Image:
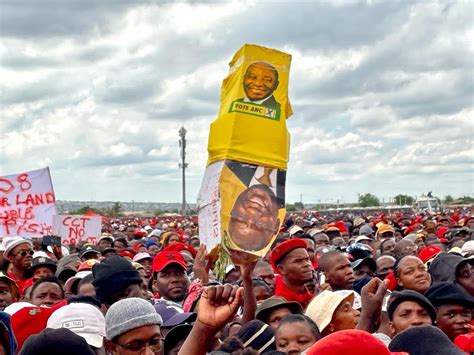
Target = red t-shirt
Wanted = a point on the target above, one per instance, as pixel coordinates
(282, 290)
(19, 283)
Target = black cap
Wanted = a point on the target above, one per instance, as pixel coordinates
(409, 295)
(356, 265)
(56, 342)
(449, 293)
(88, 249)
(424, 339)
(175, 335)
(41, 261)
(113, 275)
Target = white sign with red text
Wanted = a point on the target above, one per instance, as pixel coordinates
(75, 228)
(27, 204)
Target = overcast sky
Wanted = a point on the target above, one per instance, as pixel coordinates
(382, 93)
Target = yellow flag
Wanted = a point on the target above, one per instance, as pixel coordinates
(251, 126)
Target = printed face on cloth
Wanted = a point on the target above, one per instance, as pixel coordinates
(260, 80)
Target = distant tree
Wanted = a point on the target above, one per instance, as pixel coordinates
(448, 199)
(115, 210)
(466, 200)
(403, 199)
(299, 205)
(368, 200)
(85, 209)
(290, 207)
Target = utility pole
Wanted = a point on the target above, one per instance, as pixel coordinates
(183, 165)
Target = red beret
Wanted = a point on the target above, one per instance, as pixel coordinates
(283, 248)
(178, 246)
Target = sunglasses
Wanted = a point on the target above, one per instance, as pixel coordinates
(23, 253)
(155, 344)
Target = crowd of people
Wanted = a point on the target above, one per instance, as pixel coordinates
(372, 284)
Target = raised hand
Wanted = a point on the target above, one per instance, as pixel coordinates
(218, 305)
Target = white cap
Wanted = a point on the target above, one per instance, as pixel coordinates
(141, 256)
(11, 242)
(295, 229)
(83, 319)
(40, 254)
(357, 299)
(468, 247)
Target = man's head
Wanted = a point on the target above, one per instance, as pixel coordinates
(260, 81)
(385, 265)
(404, 247)
(18, 251)
(453, 308)
(8, 291)
(291, 260)
(114, 279)
(273, 309)
(408, 309)
(338, 270)
(105, 241)
(264, 271)
(364, 267)
(169, 275)
(41, 267)
(254, 218)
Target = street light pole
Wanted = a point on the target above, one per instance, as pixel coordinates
(183, 165)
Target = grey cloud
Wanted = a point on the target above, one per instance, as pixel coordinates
(56, 18)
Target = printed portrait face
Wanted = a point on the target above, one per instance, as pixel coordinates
(254, 218)
(260, 80)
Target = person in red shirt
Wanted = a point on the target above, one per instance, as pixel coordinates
(19, 252)
(291, 261)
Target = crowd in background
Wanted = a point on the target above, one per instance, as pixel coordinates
(384, 283)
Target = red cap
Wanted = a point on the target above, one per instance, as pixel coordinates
(165, 258)
(341, 226)
(354, 342)
(178, 246)
(29, 321)
(429, 252)
(127, 253)
(88, 264)
(283, 248)
(441, 232)
(140, 233)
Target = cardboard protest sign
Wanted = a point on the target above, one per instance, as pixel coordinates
(27, 204)
(75, 228)
(242, 198)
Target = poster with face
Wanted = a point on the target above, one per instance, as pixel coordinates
(251, 126)
(242, 198)
(247, 208)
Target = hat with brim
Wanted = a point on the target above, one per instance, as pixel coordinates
(365, 261)
(399, 297)
(108, 250)
(361, 238)
(165, 258)
(273, 303)
(175, 335)
(41, 262)
(321, 309)
(10, 243)
(11, 285)
(89, 250)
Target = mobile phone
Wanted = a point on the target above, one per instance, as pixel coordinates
(52, 240)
